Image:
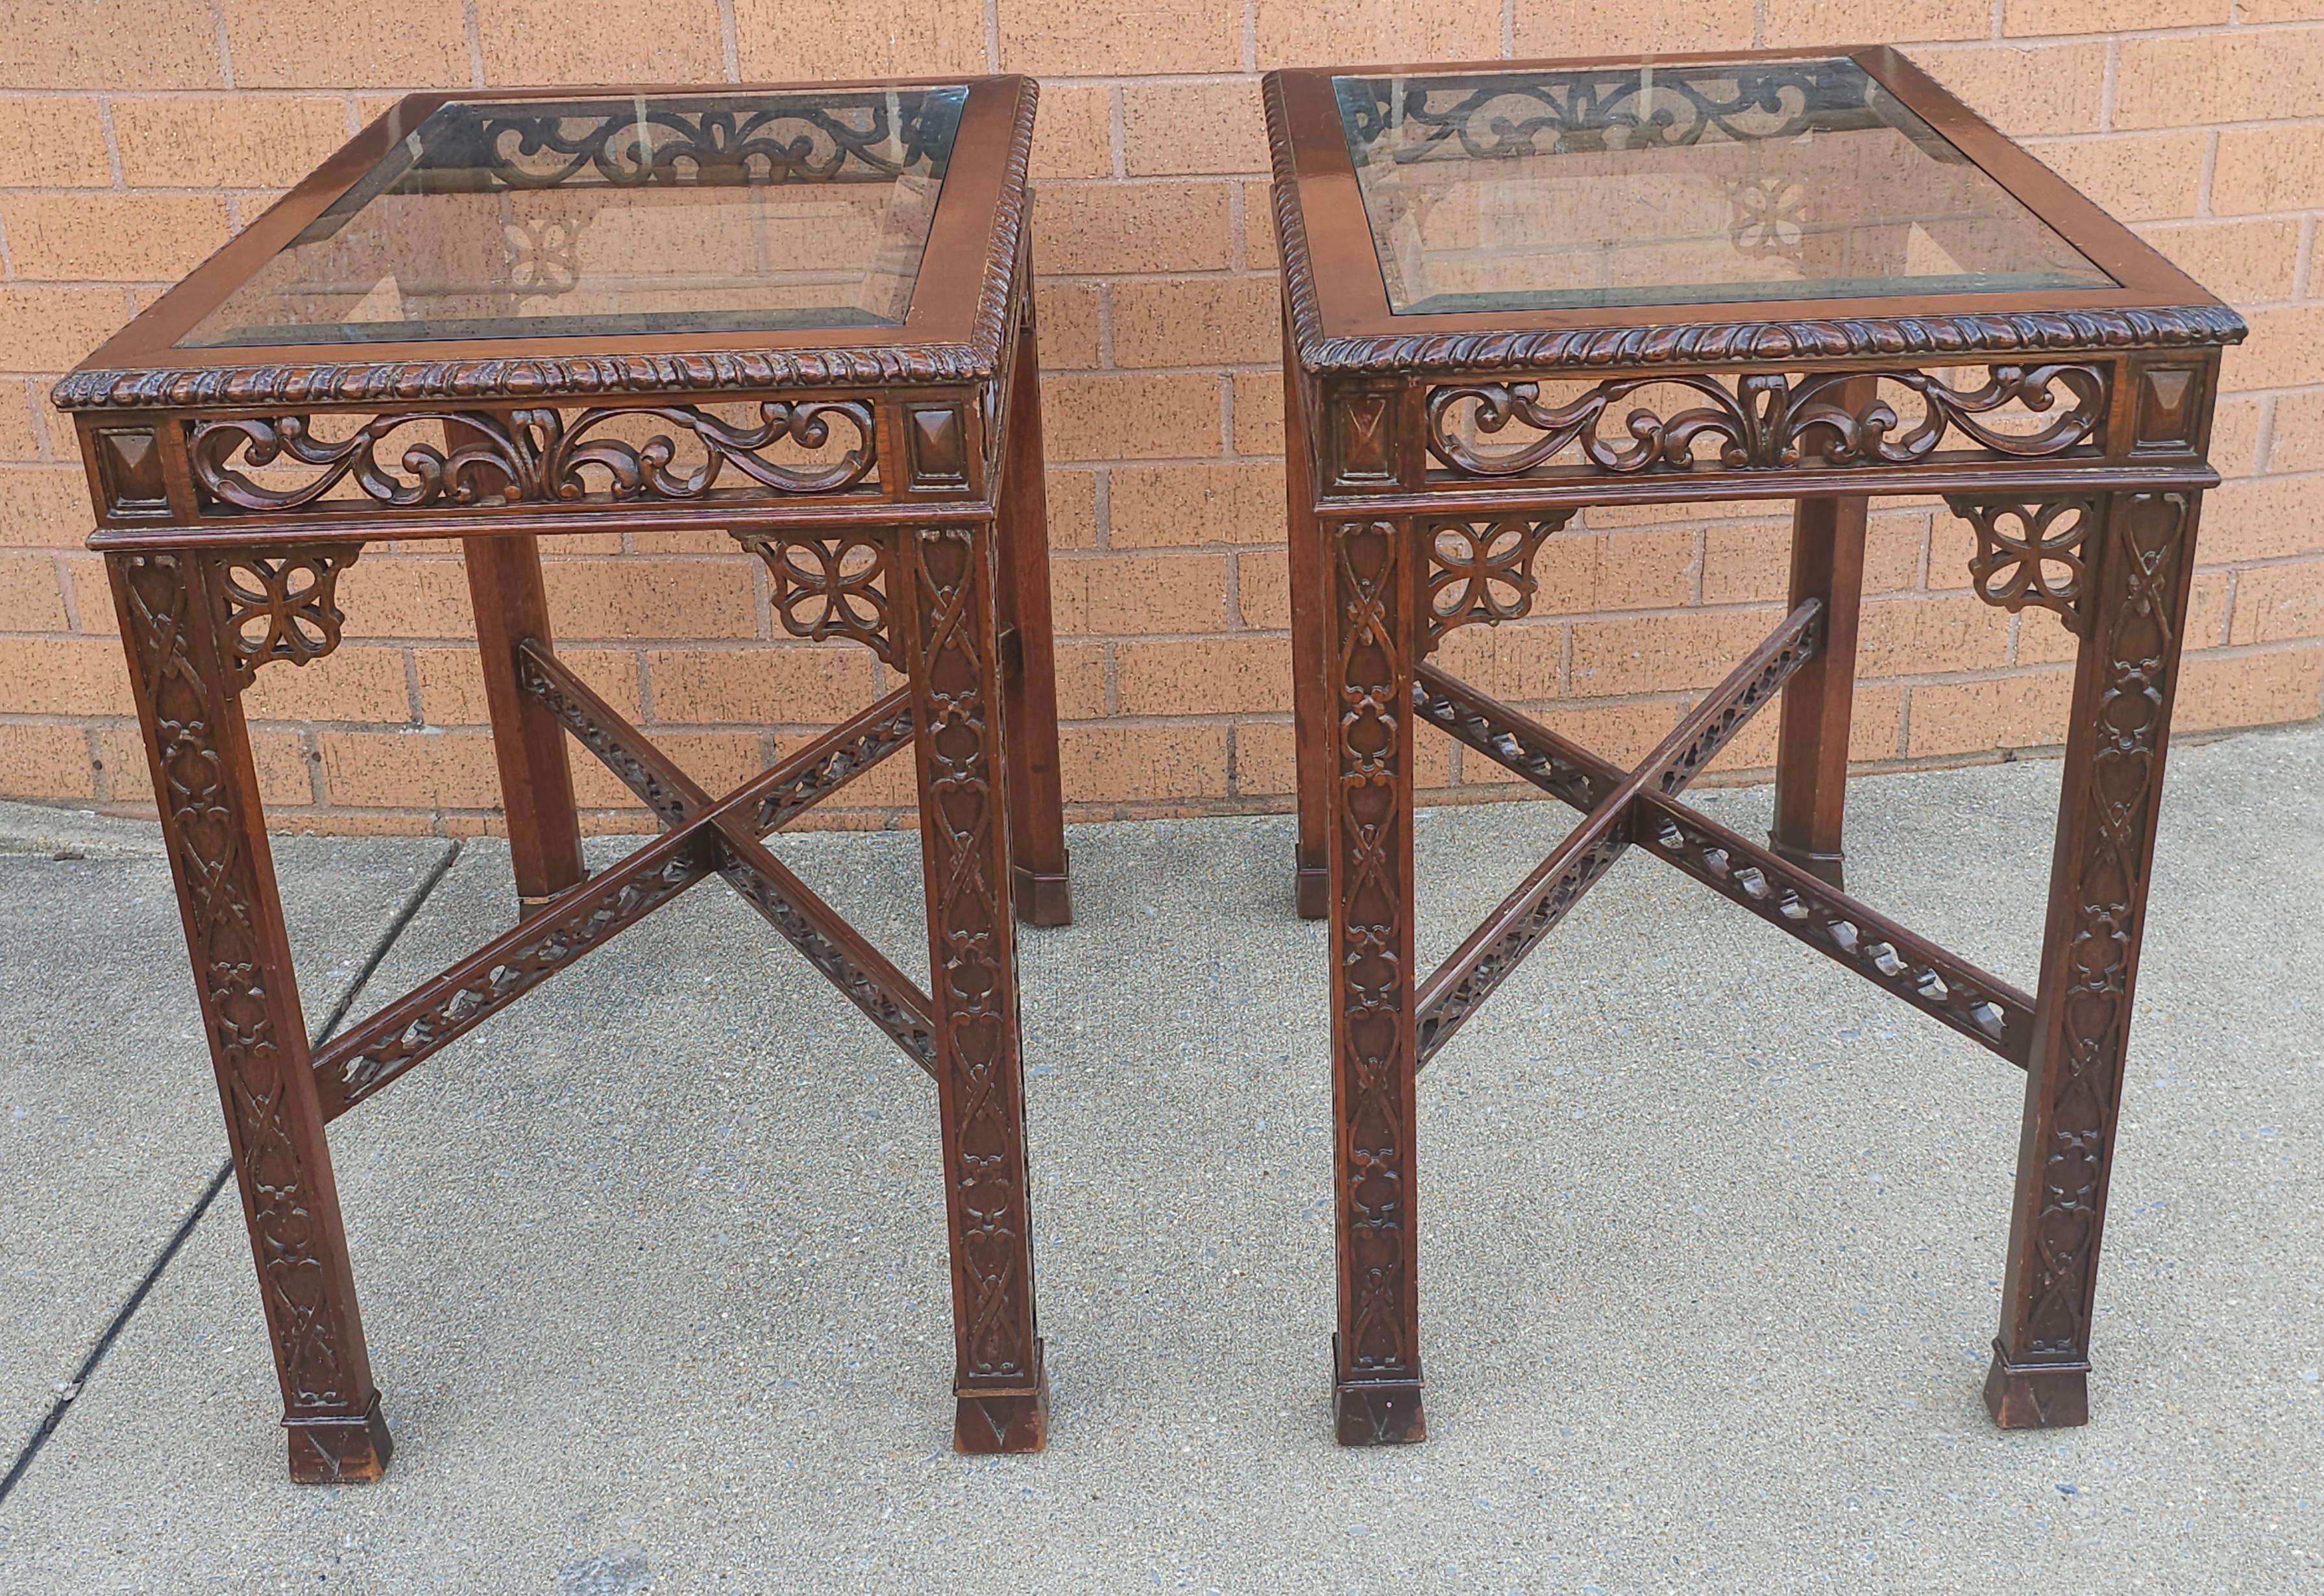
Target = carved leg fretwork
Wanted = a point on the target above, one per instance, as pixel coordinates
(1367, 634)
(2137, 560)
(954, 660)
(176, 627)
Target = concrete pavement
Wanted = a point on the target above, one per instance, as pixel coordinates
(653, 1272)
(109, 1120)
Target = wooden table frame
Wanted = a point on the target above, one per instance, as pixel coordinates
(1403, 529)
(926, 542)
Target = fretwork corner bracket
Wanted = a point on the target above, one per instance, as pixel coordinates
(2043, 562)
(1480, 572)
(836, 584)
(282, 605)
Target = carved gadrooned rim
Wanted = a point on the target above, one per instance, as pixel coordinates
(585, 375)
(1697, 344)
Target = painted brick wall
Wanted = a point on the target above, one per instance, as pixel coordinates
(136, 134)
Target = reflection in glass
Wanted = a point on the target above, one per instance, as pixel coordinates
(1663, 185)
(678, 213)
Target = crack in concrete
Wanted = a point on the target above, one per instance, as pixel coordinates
(71, 1390)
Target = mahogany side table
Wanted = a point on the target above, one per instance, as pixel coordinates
(1510, 292)
(803, 316)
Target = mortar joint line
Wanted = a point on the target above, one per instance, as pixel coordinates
(729, 41)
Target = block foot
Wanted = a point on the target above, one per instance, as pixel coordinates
(340, 1450)
(989, 1421)
(1825, 867)
(1376, 1413)
(1043, 900)
(1315, 890)
(2037, 1397)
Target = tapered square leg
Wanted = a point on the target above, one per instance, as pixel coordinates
(1812, 744)
(1044, 896)
(504, 588)
(180, 627)
(1310, 695)
(1366, 633)
(2131, 610)
(954, 660)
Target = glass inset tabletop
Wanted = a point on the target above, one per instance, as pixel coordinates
(1764, 180)
(672, 213)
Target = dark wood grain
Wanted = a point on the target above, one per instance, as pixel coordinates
(1442, 451)
(511, 609)
(233, 487)
(173, 614)
(1820, 700)
(1312, 712)
(1368, 641)
(1043, 894)
(1002, 1396)
(2140, 571)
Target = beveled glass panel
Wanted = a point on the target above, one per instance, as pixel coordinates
(1545, 191)
(668, 214)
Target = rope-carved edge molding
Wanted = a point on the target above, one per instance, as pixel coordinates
(299, 383)
(1719, 343)
(2024, 332)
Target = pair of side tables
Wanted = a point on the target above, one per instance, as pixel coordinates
(804, 317)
